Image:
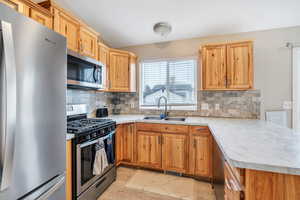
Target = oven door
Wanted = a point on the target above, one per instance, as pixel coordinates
(84, 74)
(85, 158)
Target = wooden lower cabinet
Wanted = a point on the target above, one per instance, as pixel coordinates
(148, 149)
(69, 170)
(262, 185)
(174, 152)
(169, 147)
(125, 140)
(119, 144)
(200, 154)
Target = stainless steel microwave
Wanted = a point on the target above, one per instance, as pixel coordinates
(84, 72)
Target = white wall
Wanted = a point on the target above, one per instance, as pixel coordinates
(272, 60)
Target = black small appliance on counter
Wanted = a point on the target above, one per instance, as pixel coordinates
(102, 112)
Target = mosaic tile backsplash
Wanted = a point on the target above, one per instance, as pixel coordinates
(234, 104)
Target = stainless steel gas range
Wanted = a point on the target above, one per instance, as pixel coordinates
(88, 132)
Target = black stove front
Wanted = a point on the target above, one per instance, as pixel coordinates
(88, 133)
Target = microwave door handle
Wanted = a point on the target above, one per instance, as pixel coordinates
(8, 104)
(94, 74)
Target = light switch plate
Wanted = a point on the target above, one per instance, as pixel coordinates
(217, 106)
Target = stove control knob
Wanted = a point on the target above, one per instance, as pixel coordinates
(102, 131)
(94, 134)
(88, 137)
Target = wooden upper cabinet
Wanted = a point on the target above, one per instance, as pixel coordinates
(68, 27)
(174, 152)
(103, 57)
(119, 71)
(239, 65)
(41, 17)
(200, 152)
(227, 66)
(149, 149)
(214, 67)
(88, 42)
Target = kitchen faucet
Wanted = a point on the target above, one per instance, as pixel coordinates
(166, 105)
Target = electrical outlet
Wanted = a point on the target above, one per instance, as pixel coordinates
(287, 105)
(217, 106)
(204, 106)
(132, 105)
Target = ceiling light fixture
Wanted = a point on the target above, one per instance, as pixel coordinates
(162, 28)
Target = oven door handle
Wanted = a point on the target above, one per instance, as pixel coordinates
(96, 141)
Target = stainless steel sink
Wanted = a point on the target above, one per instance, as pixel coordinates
(153, 118)
(182, 119)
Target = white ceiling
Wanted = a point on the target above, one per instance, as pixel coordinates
(129, 22)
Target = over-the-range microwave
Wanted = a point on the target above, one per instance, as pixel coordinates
(84, 72)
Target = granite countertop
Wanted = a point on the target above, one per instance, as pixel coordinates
(252, 144)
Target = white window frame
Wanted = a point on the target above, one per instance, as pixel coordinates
(170, 107)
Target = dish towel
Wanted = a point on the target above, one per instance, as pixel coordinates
(100, 162)
(110, 150)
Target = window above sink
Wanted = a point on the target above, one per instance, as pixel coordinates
(176, 79)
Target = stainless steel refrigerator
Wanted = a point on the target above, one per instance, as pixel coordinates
(33, 63)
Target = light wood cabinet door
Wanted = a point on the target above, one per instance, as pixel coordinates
(41, 17)
(88, 42)
(119, 144)
(201, 154)
(174, 152)
(128, 143)
(213, 67)
(119, 72)
(103, 57)
(68, 27)
(69, 170)
(149, 149)
(240, 65)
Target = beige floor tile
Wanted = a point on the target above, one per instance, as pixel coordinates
(133, 184)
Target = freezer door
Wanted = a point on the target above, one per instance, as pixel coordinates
(38, 153)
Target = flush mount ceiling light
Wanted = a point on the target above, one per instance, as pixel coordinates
(162, 28)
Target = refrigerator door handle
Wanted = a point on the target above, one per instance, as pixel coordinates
(53, 189)
(8, 104)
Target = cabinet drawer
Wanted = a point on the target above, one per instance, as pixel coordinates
(148, 127)
(199, 130)
(171, 128)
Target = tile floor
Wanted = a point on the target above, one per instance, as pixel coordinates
(136, 184)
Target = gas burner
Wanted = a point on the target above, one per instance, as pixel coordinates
(86, 124)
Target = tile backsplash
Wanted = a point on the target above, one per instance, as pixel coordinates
(235, 104)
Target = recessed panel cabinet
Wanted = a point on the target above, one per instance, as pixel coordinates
(174, 152)
(88, 42)
(178, 148)
(41, 17)
(200, 152)
(119, 71)
(227, 66)
(68, 27)
(148, 149)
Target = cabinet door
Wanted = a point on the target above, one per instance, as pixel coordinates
(119, 72)
(128, 143)
(88, 43)
(201, 154)
(68, 27)
(119, 144)
(239, 65)
(174, 152)
(69, 170)
(41, 17)
(149, 149)
(213, 67)
(103, 57)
